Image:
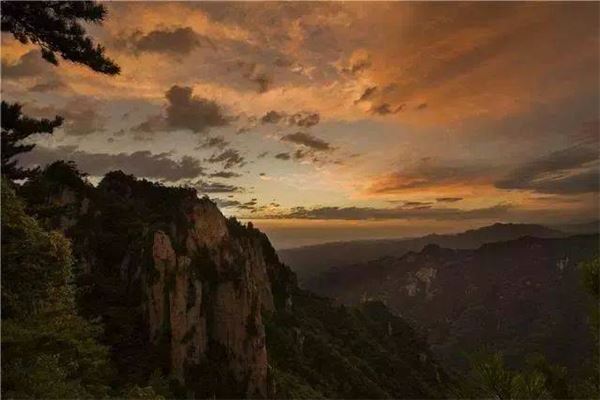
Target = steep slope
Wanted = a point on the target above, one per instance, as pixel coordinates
(185, 291)
(310, 261)
(518, 296)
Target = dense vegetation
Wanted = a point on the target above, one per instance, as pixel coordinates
(48, 350)
(324, 351)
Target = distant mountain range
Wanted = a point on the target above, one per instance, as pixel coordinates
(310, 261)
(520, 296)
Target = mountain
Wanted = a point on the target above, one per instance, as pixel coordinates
(519, 297)
(202, 301)
(310, 261)
(580, 228)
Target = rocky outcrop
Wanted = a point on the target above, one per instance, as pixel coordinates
(197, 283)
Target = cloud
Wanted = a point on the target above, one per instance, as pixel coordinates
(81, 116)
(216, 187)
(366, 95)
(192, 112)
(230, 158)
(185, 111)
(371, 213)
(448, 199)
(225, 203)
(386, 108)
(255, 73)
(154, 123)
(180, 41)
(304, 119)
(283, 156)
(572, 170)
(31, 64)
(305, 139)
(224, 174)
(217, 141)
(49, 86)
(272, 117)
(429, 173)
(358, 64)
(140, 163)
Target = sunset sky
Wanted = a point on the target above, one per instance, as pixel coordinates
(337, 121)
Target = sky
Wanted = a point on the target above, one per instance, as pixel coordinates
(337, 121)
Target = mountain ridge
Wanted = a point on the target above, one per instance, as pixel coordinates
(516, 296)
(310, 261)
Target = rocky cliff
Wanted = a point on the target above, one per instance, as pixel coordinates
(183, 291)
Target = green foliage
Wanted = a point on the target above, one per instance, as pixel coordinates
(490, 378)
(57, 27)
(590, 276)
(17, 127)
(47, 349)
(322, 350)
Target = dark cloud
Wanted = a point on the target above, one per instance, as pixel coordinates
(225, 203)
(217, 141)
(304, 119)
(263, 154)
(185, 111)
(421, 106)
(230, 158)
(385, 109)
(224, 174)
(272, 117)
(192, 112)
(181, 41)
(416, 203)
(307, 140)
(366, 95)
(140, 163)
(215, 187)
(366, 213)
(572, 170)
(448, 199)
(283, 156)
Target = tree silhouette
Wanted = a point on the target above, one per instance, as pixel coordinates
(15, 128)
(56, 27)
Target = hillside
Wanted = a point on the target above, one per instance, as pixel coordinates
(204, 302)
(519, 297)
(310, 261)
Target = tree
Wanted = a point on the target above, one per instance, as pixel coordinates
(56, 27)
(48, 350)
(15, 128)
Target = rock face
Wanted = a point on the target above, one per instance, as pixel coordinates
(519, 296)
(195, 283)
